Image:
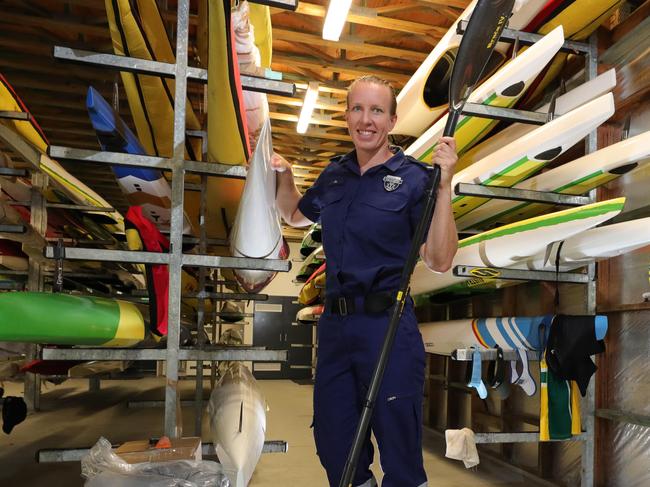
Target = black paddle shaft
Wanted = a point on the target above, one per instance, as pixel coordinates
(483, 31)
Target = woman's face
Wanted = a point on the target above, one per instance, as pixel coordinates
(368, 116)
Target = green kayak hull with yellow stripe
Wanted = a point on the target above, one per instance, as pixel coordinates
(529, 154)
(63, 319)
(513, 244)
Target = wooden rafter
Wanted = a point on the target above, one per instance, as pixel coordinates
(372, 17)
(342, 66)
(356, 45)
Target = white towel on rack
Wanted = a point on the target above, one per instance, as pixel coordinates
(462, 446)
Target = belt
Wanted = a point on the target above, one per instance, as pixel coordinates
(370, 303)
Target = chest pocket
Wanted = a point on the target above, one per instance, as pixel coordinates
(332, 193)
(393, 201)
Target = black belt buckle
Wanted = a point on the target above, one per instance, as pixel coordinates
(343, 306)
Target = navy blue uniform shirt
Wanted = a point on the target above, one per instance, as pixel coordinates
(368, 220)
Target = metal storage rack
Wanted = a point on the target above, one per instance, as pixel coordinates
(590, 51)
(175, 259)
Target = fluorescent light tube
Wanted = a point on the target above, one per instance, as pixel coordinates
(337, 13)
(311, 95)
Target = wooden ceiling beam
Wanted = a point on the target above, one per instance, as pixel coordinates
(346, 67)
(459, 4)
(355, 45)
(400, 7)
(290, 117)
(312, 133)
(371, 17)
(312, 146)
(68, 25)
(321, 104)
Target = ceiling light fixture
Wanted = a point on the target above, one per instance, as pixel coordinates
(311, 95)
(337, 13)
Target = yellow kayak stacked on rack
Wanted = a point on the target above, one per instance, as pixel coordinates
(137, 30)
(65, 182)
(228, 141)
(579, 19)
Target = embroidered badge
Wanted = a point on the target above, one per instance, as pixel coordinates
(391, 183)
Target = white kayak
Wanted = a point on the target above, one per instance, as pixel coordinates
(586, 92)
(424, 97)
(576, 177)
(256, 232)
(574, 252)
(237, 412)
(509, 245)
(502, 89)
(593, 244)
(530, 153)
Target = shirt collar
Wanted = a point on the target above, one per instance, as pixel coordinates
(349, 160)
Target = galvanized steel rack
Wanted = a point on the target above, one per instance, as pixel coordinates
(175, 259)
(589, 50)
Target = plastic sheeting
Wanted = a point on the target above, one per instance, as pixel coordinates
(628, 445)
(628, 461)
(102, 467)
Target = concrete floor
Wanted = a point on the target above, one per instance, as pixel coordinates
(71, 416)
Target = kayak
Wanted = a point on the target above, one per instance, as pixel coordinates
(530, 153)
(257, 232)
(425, 96)
(509, 245)
(63, 319)
(571, 100)
(62, 180)
(576, 177)
(502, 89)
(142, 187)
(509, 333)
(137, 30)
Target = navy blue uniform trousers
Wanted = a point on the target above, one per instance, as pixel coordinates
(348, 349)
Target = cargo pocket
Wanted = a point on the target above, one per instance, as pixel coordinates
(404, 422)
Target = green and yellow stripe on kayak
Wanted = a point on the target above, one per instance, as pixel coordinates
(32, 133)
(528, 210)
(515, 244)
(574, 178)
(63, 319)
(503, 89)
(570, 215)
(527, 155)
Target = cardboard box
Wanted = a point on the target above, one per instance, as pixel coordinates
(143, 451)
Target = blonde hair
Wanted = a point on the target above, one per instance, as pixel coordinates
(371, 78)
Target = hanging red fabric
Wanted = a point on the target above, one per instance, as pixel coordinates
(157, 274)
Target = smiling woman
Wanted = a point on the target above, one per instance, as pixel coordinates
(371, 116)
(369, 203)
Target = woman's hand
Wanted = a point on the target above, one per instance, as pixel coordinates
(445, 156)
(279, 163)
